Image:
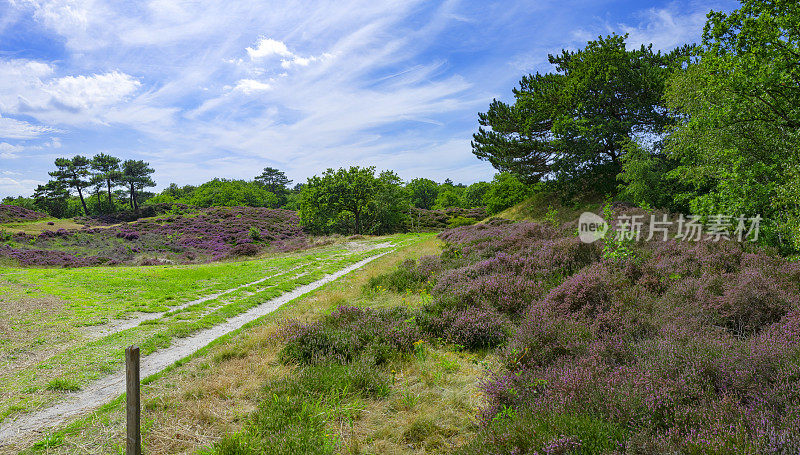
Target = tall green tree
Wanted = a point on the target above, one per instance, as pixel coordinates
(423, 192)
(449, 196)
(474, 194)
(738, 141)
(506, 190)
(573, 123)
(224, 192)
(135, 174)
(74, 173)
(339, 197)
(274, 180)
(391, 204)
(106, 168)
(52, 198)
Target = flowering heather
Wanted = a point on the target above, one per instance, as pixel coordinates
(682, 347)
(352, 333)
(50, 258)
(472, 328)
(206, 235)
(15, 214)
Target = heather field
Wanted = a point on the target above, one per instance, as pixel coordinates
(501, 337)
(183, 235)
(660, 347)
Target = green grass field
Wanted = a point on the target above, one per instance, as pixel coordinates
(62, 328)
(189, 406)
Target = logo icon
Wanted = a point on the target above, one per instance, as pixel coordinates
(591, 227)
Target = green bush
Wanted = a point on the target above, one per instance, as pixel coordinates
(506, 191)
(460, 221)
(406, 277)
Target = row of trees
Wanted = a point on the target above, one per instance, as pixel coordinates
(360, 201)
(709, 128)
(502, 192)
(77, 185)
(268, 189)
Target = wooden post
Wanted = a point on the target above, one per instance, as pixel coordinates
(132, 402)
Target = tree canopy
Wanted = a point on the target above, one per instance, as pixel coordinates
(573, 124)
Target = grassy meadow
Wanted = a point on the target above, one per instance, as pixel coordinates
(62, 328)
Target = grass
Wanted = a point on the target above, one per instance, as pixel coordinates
(52, 320)
(39, 226)
(191, 405)
(544, 207)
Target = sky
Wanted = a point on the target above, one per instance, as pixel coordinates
(210, 88)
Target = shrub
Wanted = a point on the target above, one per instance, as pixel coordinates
(176, 235)
(407, 276)
(14, 214)
(750, 302)
(679, 347)
(245, 249)
(352, 333)
(460, 221)
(473, 328)
(435, 220)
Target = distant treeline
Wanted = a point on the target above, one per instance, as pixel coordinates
(353, 200)
(708, 129)
(90, 186)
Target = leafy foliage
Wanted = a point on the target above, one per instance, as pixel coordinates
(737, 143)
(354, 200)
(574, 123)
(423, 192)
(505, 191)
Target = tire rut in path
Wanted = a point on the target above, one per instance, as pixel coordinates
(116, 326)
(105, 389)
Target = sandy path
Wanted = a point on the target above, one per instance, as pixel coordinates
(104, 390)
(124, 324)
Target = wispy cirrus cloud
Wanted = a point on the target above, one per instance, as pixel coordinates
(11, 128)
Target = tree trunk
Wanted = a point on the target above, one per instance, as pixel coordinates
(80, 193)
(134, 204)
(83, 203)
(110, 202)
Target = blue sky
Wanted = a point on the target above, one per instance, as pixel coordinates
(204, 89)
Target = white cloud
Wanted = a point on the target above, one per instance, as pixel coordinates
(17, 129)
(666, 28)
(248, 86)
(90, 92)
(30, 88)
(267, 47)
(9, 151)
(17, 186)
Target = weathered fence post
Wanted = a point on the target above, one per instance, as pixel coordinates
(133, 401)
